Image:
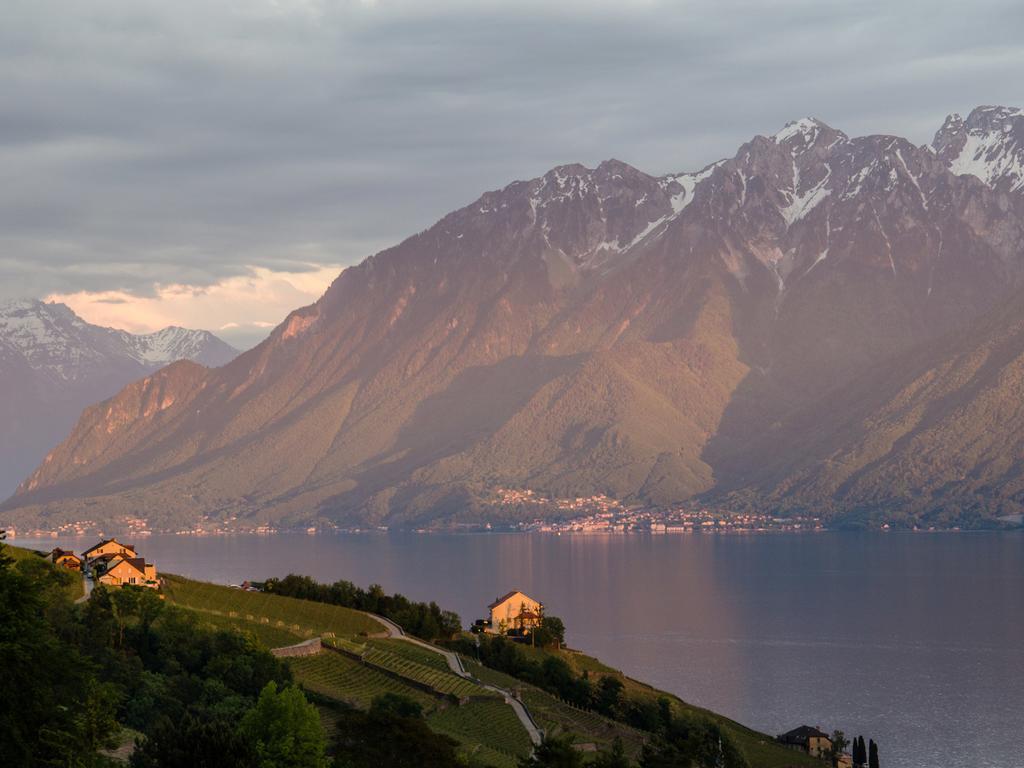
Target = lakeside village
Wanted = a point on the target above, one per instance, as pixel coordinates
(537, 513)
(533, 512)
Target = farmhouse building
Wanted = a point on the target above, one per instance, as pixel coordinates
(66, 559)
(109, 547)
(119, 571)
(813, 741)
(515, 612)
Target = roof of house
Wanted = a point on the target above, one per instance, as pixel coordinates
(803, 733)
(499, 600)
(137, 562)
(58, 552)
(107, 541)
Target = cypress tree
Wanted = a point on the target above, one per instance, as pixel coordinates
(873, 755)
(861, 758)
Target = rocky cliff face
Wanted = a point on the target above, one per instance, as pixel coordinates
(53, 364)
(592, 330)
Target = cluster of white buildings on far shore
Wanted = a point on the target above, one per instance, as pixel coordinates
(110, 563)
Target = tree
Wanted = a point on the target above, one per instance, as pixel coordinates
(42, 677)
(396, 705)
(839, 745)
(872, 754)
(859, 754)
(608, 695)
(550, 632)
(615, 758)
(555, 752)
(193, 743)
(381, 738)
(285, 729)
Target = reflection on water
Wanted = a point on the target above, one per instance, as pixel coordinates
(912, 639)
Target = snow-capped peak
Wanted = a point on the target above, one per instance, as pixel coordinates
(52, 339)
(988, 145)
(806, 127)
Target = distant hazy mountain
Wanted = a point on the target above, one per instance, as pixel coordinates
(53, 364)
(795, 326)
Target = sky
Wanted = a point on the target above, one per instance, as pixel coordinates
(216, 163)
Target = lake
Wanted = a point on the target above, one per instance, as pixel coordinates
(911, 639)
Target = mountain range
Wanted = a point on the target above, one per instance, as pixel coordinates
(818, 323)
(53, 364)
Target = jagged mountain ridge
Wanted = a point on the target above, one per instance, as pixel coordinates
(590, 330)
(53, 364)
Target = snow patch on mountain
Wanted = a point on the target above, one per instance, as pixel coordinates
(51, 338)
(802, 204)
(990, 157)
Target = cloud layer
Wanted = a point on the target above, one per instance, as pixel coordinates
(202, 142)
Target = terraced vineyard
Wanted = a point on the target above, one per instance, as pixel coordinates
(557, 717)
(412, 652)
(441, 680)
(344, 679)
(302, 617)
(492, 724)
(491, 676)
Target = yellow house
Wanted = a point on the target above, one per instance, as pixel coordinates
(66, 559)
(123, 571)
(813, 741)
(109, 547)
(515, 611)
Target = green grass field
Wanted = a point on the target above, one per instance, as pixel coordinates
(266, 635)
(75, 587)
(492, 724)
(303, 618)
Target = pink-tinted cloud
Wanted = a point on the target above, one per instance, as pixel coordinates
(241, 309)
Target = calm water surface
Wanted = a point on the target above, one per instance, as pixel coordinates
(914, 640)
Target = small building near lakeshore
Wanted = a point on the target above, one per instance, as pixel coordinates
(108, 547)
(65, 558)
(120, 571)
(813, 741)
(515, 612)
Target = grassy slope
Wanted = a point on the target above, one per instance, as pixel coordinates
(760, 749)
(488, 730)
(301, 617)
(276, 620)
(75, 589)
(556, 717)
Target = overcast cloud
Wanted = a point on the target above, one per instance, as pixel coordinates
(154, 149)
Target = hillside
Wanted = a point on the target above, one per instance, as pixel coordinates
(938, 437)
(601, 331)
(363, 668)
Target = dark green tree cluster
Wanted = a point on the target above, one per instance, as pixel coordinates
(550, 633)
(392, 733)
(864, 756)
(53, 709)
(424, 620)
(71, 676)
